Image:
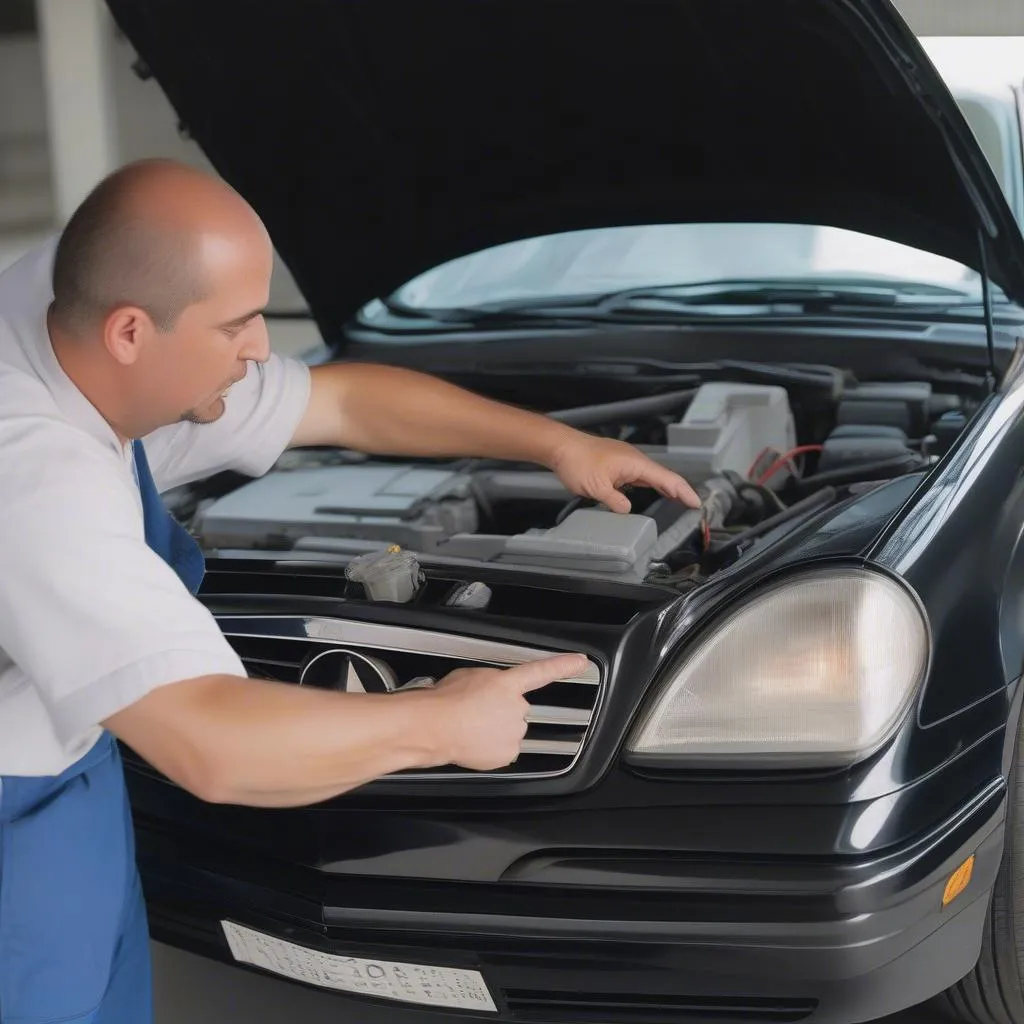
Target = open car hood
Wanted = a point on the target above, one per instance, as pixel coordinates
(380, 138)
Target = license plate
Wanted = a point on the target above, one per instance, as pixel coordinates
(453, 987)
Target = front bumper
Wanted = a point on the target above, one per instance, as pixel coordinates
(845, 941)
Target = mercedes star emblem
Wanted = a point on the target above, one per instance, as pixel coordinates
(342, 669)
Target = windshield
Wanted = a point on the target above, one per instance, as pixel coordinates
(609, 259)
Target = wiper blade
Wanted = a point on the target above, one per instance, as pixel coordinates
(807, 297)
(758, 294)
(499, 315)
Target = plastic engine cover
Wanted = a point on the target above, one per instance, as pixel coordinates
(589, 540)
(727, 426)
(413, 506)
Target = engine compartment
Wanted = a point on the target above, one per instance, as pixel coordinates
(762, 457)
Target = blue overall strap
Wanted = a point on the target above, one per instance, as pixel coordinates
(164, 534)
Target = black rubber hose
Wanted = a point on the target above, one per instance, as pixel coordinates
(865, 471)
(823, 497)
(612, 412)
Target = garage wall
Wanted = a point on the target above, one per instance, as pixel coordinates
(964, 17)
(145, 127)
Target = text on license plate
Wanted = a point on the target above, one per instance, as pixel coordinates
(455, 987)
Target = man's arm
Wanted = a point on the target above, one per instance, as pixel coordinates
(389, 410)
(246, 741)
(139, 654)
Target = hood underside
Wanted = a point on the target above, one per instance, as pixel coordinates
(380, 138)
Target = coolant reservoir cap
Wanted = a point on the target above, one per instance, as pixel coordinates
(392, 575)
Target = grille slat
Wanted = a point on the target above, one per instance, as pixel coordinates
(544, 714)
(530, 746)
(281, 647)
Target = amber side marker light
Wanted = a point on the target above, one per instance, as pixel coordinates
(958, 881)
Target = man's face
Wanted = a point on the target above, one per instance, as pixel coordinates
(213, 340)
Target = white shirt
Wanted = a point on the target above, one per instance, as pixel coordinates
(91, 619)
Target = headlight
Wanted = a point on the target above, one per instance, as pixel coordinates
(815, 670)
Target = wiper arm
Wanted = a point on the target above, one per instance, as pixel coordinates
(500, 314)
(808, 297)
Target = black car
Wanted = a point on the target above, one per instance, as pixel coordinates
(759, 240)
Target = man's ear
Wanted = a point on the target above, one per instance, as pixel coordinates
(125, 333)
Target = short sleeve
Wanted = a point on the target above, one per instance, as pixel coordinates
(261, 415)
(88, 612)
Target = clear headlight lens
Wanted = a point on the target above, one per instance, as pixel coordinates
(817, 669)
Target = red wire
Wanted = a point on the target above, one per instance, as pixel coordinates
(788, 457)
(753, 465)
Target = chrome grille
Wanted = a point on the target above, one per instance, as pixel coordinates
(283, 647)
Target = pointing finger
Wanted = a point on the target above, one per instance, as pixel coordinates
(532, 675)
(615, 500)
(672, 485)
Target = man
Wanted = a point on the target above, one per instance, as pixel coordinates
(144, 322)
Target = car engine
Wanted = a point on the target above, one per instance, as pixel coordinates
(737, 444)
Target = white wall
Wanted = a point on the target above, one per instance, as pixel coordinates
(145, 125)
(22, 105)
(25, 188)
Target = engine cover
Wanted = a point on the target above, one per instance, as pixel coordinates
(726, 427)
(416, 507)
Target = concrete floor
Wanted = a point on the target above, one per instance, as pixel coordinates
(197, 991)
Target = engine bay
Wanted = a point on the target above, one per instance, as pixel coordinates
(761, 456)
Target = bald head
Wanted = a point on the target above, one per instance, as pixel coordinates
(145, 236)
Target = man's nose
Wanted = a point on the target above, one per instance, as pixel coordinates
(256, 346)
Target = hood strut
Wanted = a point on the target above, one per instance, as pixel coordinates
(986, 298)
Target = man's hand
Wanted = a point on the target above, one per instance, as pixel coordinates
(596, 467)
(482, 711)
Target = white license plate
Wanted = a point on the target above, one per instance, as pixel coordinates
(453, 987)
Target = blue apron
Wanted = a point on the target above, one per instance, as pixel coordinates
(74, 942)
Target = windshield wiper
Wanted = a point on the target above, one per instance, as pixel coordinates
(708, 299)
(805, 296)
(571, 313)
(824, 295)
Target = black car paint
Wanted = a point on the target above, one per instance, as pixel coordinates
(697, 883)
(881, 528)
